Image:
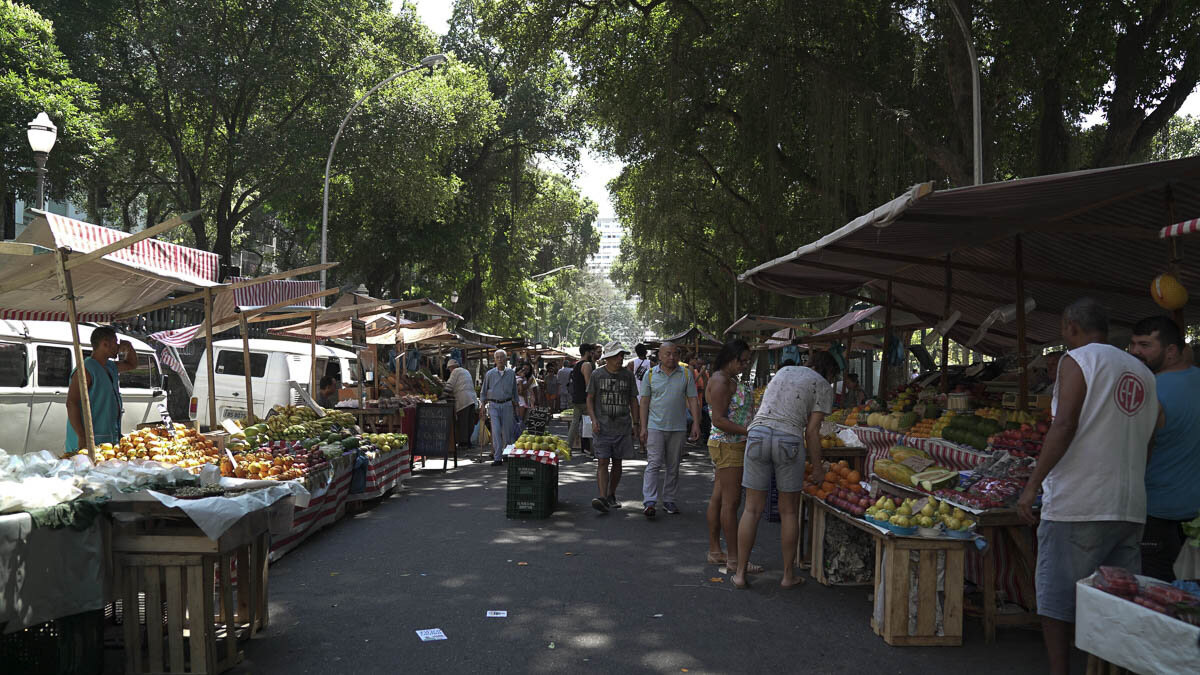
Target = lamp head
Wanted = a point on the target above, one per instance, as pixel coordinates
(433, 60)
(42, 133)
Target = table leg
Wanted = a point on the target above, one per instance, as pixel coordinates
(989, 588)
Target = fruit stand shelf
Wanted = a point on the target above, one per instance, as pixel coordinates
(894, 587)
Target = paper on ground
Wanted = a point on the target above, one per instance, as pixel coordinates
(430, 634)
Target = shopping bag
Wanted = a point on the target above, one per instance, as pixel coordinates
(485, 435)
(587, 427)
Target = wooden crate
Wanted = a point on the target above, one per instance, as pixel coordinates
(819, 513)
(893, 571)
(177, 572)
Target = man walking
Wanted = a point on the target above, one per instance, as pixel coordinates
(639, 365)
(1172, 491)
(667, 391)
(612, 404)
(500, 398)
(1091, 469)
(563, 375)
(580, 375)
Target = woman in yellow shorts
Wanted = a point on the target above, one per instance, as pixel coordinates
(732, 403)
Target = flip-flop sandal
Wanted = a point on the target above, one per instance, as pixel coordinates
(751, 568)
(716, 558)
(797, 583)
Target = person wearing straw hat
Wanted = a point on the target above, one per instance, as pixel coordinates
(612, 403)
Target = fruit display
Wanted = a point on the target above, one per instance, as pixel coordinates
(923, 428)
(1149, 593)
(840, 481)
(546, 442)
(263, 464)
(852, 417)
(180, 445)
(971, 430)
(758, 397)
(289, 423)
(893, 471)
(911, 512)
(1023, 441)
(832, 441)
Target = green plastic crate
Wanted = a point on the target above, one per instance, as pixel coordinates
(532, 488)
(70, 645)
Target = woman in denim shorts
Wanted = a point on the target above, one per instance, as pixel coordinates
(796, 401)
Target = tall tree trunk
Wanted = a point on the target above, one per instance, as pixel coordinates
(1052, 130)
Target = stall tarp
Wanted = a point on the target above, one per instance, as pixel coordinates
(754, 323)
(139, 275)
(1093, 233)
(424, 331)
(48, 573)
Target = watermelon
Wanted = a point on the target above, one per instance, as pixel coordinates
(935, 479)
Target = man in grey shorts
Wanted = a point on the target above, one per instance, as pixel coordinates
(612, 404)
(796, 401)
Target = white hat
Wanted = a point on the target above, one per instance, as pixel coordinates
(451, 363)
(613, 348)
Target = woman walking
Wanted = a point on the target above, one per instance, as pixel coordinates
(731, 402)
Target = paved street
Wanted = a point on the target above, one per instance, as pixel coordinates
(602, 593)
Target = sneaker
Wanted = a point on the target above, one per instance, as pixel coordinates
(497, 462)
(600, 504)
(612, 502)
(648, 511)
(671, 508)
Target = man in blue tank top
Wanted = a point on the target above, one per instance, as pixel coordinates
(1172, 491)
(104, 390)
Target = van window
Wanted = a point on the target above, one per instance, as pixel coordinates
(230, 363)
(145, 376)
(53, 366)
(12, 365)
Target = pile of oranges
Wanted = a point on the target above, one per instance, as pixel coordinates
(838, 475)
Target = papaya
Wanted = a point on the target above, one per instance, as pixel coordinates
(901, 453)
(893, 471)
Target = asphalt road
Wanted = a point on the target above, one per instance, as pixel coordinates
(611, 593)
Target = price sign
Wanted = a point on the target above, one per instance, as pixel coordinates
(918, 464)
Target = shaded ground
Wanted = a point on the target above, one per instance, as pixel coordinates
(441, 554)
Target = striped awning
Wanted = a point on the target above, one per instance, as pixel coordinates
(1186, 227)
(136, 276)
(177, 337)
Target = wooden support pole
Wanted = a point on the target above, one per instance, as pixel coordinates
(312, 346)
(945, 340)
(245, 328)
(887, 329)
(1022, 357)
(85, 401)
(208, 351)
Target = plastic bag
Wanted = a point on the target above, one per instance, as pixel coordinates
(1116, 580)
(587, 427)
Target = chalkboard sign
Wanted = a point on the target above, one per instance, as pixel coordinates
(434, 424)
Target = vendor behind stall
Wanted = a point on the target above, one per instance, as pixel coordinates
(104, 390)
(327, 396)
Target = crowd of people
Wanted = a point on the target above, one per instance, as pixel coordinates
(1116, 478)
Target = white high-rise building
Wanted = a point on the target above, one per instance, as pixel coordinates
(611, 233)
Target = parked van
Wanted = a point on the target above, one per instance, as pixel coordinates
(272, 364)
(36, 360)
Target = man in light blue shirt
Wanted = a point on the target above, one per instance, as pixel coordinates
(667, 392)
(1172, 491)
(500, 401)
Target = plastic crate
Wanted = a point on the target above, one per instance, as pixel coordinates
(70, 645)
(532, 488)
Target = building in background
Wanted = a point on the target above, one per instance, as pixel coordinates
(611, 233)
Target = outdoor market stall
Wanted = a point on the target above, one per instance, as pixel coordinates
(969, 261)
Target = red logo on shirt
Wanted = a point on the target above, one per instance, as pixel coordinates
(1130, 394)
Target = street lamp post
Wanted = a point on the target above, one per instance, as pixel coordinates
(976, 113)
(42, 133)
(427, 62)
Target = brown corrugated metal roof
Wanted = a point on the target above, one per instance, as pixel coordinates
(1089, 233)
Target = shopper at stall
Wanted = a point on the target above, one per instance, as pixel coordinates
(580, 375)
(103, 388)
(732, 403)
(849, 393)
(465, 402)
(668, 389)
(1172, 488)
(564, 385)
(612, 404)
(640, 365)
(327, 392)
(1091, 470)
(787, 422)
(551, 390)
(500, 394)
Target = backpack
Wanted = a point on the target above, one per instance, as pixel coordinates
(641, 369)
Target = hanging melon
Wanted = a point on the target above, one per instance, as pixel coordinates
(1168, 292)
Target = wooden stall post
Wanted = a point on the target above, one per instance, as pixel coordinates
(85, 402)
(945, 386)
(312, 347)
(887, 329)
(208, 351)
(245, 328)
(849, 361)
(1022, 357)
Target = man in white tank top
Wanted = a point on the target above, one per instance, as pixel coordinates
(1091, 470)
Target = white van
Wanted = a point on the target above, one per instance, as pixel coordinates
(36, 360)
(272, 364)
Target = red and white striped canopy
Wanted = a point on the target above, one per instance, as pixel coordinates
(177, 337)
(126, 279)
(1186, 227)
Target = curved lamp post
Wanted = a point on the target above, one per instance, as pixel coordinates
(42, 134)
(427, 62)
